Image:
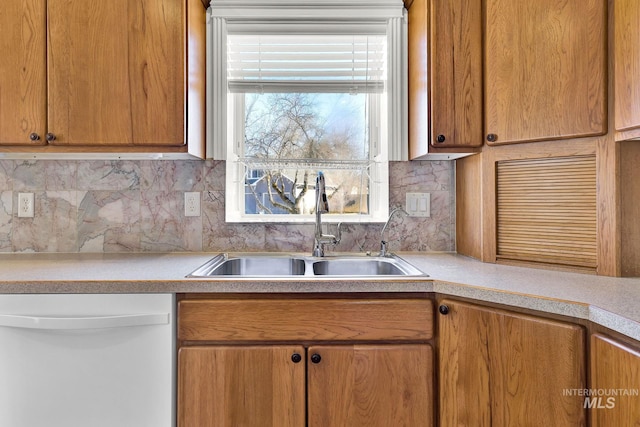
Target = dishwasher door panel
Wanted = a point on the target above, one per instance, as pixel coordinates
(87, 360)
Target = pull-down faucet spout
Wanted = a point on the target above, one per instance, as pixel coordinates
(322, 206)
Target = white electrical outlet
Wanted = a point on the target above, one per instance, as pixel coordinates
(25, 205)
(192, 203)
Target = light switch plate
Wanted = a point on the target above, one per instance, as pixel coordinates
(418, 204)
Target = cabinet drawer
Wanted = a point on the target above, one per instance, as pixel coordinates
(305, 319)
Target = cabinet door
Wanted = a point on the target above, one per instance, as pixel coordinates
(22, 72)
(545, 69)
(232, 386)
(370, 385)
(116, 72)
(627, 66)
(445, 75)
(505, 369)
(615, 368)
(456, 73)
(418, 84)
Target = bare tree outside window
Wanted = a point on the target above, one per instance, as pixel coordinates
(305, 126)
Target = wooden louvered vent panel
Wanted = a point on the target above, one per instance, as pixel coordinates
(547, 211)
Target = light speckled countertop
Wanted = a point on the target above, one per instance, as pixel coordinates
(610, 302)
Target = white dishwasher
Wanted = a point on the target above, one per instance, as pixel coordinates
(90, 360)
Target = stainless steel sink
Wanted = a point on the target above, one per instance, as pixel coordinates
(370, 266)
(251, 265)
(286, 265)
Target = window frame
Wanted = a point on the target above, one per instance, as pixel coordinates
(388, 137)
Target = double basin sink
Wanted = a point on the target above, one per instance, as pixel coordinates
(284, 265)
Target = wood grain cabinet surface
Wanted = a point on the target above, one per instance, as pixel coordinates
(23, 72)
(627, 68)
(305, 362)
(615, 379)
(499, 368)
(370, 385)
(327, 365)
(445, 76)
(92, 74)
(545, 70)
(222, 386)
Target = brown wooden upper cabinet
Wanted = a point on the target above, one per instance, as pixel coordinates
(627, 68)
(23, 73)
(86, 73)
(445, 76)
(545, 69)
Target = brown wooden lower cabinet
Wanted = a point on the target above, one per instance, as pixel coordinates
(241, 386)
(305, 366)
(346, 385)
(369, 362)
(615, 383)
(370, 385)
(499, 368)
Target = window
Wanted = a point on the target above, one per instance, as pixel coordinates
(299, 96)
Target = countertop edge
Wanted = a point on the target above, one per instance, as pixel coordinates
(538, 303)
(605, 301)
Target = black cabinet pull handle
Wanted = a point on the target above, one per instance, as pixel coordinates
(296, 358)
(50, 137)
(315, 358)
(34, 136)
(492, 137)
(443, 309)
(440, 138)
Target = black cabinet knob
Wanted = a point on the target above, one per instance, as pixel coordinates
(492, 137)
(440, 138)
(34, 136)
(50, 137)
(296, 358)
(443, 309)
(315, 358)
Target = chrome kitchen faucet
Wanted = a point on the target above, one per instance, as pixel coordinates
(322, 206)
(383, 243)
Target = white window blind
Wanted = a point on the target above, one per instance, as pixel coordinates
(306, 63)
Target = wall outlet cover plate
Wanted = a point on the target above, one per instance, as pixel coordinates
(25, 205)
(418, 204)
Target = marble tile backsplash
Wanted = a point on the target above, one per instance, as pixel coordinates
(138, 206)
